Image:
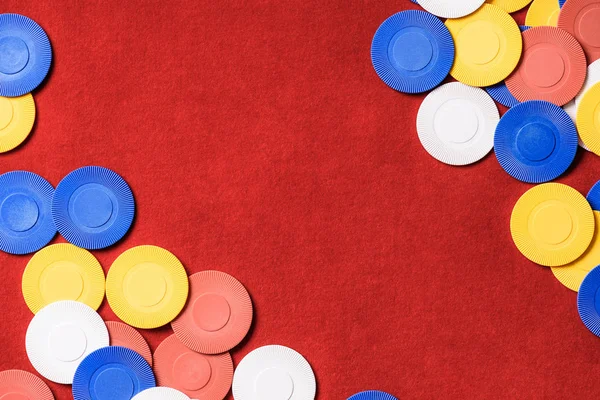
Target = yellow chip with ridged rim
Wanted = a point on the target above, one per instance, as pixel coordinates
(147, 287)
(62, 272)
(488, 46)
(552, 224)
(543, 13)
(588, 119)
(17, 115)
(510, 6)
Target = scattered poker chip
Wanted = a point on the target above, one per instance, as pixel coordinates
(372, 395)
(147, 287)
(218, 314)
(197, 375)
(561, 2)
(589, 309)
(25, 55)
(22, 385)
(543, 13)
(110, 373)
(93, 207)
(592, 77)
(581, 19)
(510, 6)
(572, 274)
(535, 141)
(502, 95)
(17, 115)
(552, 224)
(275, 372)
(588, 123)
(123, 335)
(25, 218)
(593, 196)
(412, 51)
(451, 8)
(62, 272)
(161, 393)
(571, 109)
(60, 336)
(456, 123)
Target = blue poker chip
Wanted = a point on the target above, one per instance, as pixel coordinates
(587, 303)
(523, 28)
(593, 196)
(412, 51)
(25, 55)
(372, 395)
(26, 223)
(112, 373)
(535, 141)
(93, 207)
(502, 95)
(561, 3)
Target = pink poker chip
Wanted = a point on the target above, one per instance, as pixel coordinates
(581, 18)
(16, 384)
(217, 316)
(125, 336)
(200, 376)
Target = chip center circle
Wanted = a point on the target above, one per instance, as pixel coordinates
(61, 281)
(113, 384)
(412, 51)
(145, 285)
(273, 384)
(552, 224)
(544, 67)
(14, 396)
(6, 113)
(589, 27)
(67, 342)
(211, 312)
(478, 43)
(14, 55)
(92, 207)
(535, 141)
(456, 121)
(19, 212)
(192, 371)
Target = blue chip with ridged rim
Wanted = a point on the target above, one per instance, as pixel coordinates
(535, 141)
(561, 2)
(412, 51)
(25, 55)
(372, 395)
(588, 301)
(593, 196)
(26, 223)
(112, 373)
(93, 207)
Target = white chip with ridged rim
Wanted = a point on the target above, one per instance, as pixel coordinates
(160, 393)
(592, 77)
(451, 8)
(571, 109)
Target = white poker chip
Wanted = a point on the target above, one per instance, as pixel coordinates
(274, 373)
(451, 8)
(456, 123)
(571, 109)
(592, 77)
(160, 393)
(60, 336)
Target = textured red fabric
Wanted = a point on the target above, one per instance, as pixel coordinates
(259, 141)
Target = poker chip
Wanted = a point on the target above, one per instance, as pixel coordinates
(535, 141)
(197, 375)
(60, 336)
(93, 207)
(63, 272)
(588, 123)
(552, 224)
(274, 372)
(571, 109)
(111, 373)
(372, 395)
(502, 95)
(450, 8)
(412, 51)
(147, 287)
(553, 67)
(17, 115)
(592, 77)
(589, 309)
(510, 6)
(581, 19)
(488, 46)
(160, 393)
(218, 314)
(123, 335)
(25, 218)
(25, 55)
(572, 274)
(543, 13)
(593, 197)
(456, 123)
(22, 385)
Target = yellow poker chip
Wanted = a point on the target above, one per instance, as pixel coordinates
(17, 115)
(509, 6)
(147, 287)
(543, 13)
(588, 119)
(488, 46)
(552, 224)
(572, 274)
(63, 272)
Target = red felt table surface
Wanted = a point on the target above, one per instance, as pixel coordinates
(259, 141)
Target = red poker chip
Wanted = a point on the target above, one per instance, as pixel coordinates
(553, 67)
(16, 384)
(125, 336)
(581, 18)
(200, 376)
(217, 316)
